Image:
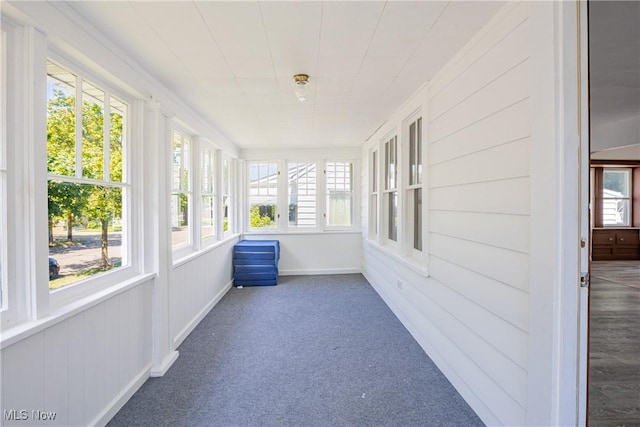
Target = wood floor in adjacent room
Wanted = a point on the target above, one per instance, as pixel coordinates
(614, 340)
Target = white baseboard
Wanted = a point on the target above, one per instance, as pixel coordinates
(165, 365)
(198, 318)
(123, 397)
(318, 272)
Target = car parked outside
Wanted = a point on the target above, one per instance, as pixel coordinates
(54, 268)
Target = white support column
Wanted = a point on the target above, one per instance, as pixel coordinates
(555, 230)
(157, 242)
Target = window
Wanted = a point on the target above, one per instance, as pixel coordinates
(3, 172)
(414, 189)
(373, 197)
(263, 194)
(180, 191)
(391, 188)
(302, 194)
(87, 184)
(616, 197)
(339, 176)
(207, 193)
(227, 205)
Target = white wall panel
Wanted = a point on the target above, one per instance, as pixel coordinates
(508, 196)
(504, 301)
(455, 350)
(472, 313)
(510, 88)
(505, 161)
(80, 366)
(503, 265)
(196, 285)
(317, 253)
(484, 134)
(501, 230)
(56, 373)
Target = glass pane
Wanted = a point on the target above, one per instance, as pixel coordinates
(392, 203)
(207, 172)
(61, 121)
(180, 230)
(186, 157)
(374, 171)
(413, 172)
(616, 212)
(419, 152)
(92, 131)
(177, 161)
(339, 193)
(263, 191)
(340, 209)
(417, 219)
(302, 194)
(617, 183)
(616, 207)
(373, 216)
(85, 231)
(3, 241)
(116, 139)
(207, 217)
(226, 194)
(390, 164)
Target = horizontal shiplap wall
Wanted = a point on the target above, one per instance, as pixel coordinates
(196, 286)
(479, 205)
(82, 368)
(471, 313)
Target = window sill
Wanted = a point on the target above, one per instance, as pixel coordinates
(302, 232)
(25, 330)
(184, 259)
(408, 261)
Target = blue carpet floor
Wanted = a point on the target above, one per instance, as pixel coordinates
(311, 351)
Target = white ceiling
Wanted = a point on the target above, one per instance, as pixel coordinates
(614, 46)
(614, 78)
(233, 62)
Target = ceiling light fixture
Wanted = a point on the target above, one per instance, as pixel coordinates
(301, 86)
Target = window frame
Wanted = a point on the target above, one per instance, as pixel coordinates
(374, 193)
(228, 190)
(3, 173)
(278, 187)
(316, 217)
(391, 190)
(352, 194)
(629, 198)
(414, 156)
(186, 247)
(212, 192)
(61, 296)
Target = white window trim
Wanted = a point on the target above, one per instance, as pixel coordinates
(628, 198)
(355, 214)
(374, 208)
(74, 291)
(384, 217)
(407, 216)
(215, 154)
(188, 247)
(234, 185)
(283, 197)
(285, 222)
(3, 171)
(281, 188)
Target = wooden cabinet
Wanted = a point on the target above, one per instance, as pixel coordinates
(615, 244)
